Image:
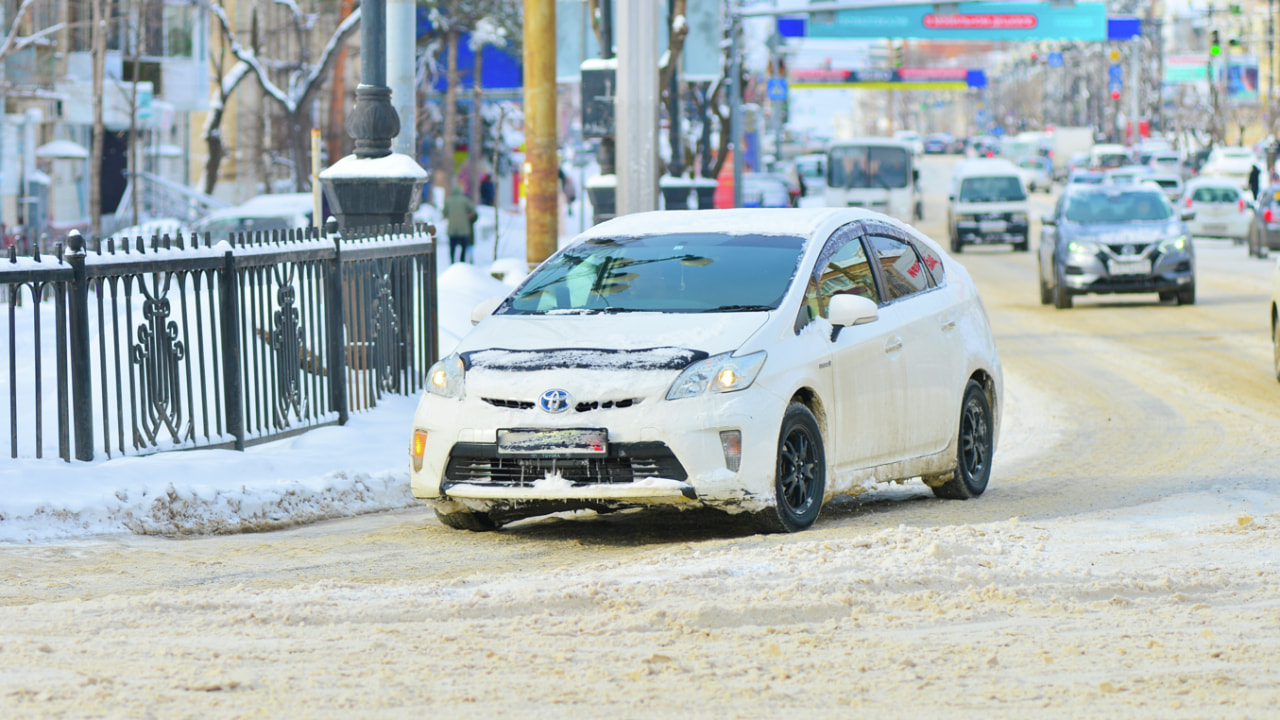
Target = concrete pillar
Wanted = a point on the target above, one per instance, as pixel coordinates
(402, 23)
(637, 106)
(542, 194)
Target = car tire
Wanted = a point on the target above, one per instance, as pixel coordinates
(1275, 345)
(800, 475)
(1253, 237)
(1046, 293)
(1061, 294)
(1167, 295)
(1187, 295)
(467, 520)
(1023, 246)
(975, 444)
(957, 245)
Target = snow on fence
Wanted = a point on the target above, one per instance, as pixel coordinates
(141, 346)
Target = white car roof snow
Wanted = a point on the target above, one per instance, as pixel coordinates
(805, 222)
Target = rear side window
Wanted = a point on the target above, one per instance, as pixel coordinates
(904, 272)
(1215, 195)
(932, 261)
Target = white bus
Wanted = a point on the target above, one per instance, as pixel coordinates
(874, 173)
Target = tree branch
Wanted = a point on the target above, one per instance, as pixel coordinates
(11, 37)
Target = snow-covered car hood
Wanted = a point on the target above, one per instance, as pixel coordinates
(616, 334)
(1137, 233)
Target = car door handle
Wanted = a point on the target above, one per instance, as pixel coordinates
(893, 345)
(948, 324)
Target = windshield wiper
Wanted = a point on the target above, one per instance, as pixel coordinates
(741, 308)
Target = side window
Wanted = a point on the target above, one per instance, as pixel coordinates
(901, 267)
(842, 269)
(931, 261)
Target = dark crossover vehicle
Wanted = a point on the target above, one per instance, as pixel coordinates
(1116, 239)
(1264, 229)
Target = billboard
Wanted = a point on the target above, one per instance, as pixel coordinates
(968, 21)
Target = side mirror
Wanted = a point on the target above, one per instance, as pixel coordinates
(1188, 215)
(1048, 219)
(847, 310)
(485, 308)
(951, 197)
(915, 175)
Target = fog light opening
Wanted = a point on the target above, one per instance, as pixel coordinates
(418, 449)
(731, 443)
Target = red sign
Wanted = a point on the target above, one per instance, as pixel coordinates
(984, 21)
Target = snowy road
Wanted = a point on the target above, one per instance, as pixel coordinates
(1125, 562)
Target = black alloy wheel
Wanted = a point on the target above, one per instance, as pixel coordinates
(800, 476)
(975, 444)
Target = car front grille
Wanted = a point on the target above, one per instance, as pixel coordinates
(480, 464)
(582, 406)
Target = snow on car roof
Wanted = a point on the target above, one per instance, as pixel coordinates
(738, 221)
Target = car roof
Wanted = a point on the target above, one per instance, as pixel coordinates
(805, 222)
(1106, 189)
(279, 205)
(1213, 181)
(984, 167)
(874, 141)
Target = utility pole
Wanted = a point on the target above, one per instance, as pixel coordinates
(541, 195)
(735, 100)
(636, 105)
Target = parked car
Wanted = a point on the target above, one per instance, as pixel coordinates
(1222, 209)
(1116, 239)
(1275, 320)
(1264, 230)
(987, 204)
(1036, 172)
(1078, 161)
(755, 361)
(263, 213)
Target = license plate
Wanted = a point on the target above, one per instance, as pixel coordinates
(565, 441)
(992, 226)
(1214, 227)
(1130, 267)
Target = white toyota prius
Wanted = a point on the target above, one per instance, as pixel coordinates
(756, 361)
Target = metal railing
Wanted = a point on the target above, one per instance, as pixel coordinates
(173, 343)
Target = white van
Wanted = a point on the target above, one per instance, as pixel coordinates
(987, 204)
(875, 173)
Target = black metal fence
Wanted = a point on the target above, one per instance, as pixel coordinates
(169, 343)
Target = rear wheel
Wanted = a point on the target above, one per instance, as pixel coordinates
(975, 444)
(1253, 242)
(467, 520)
(1275, 345)
(1046, 294)
(957, 245)
(800, 474)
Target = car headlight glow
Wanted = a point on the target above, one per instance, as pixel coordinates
(1174, 243)
(720, 373)
(1083, 247)
(446, 377)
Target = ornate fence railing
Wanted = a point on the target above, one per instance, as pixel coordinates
(143, 346)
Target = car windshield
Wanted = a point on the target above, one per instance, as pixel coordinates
(991, 189)
(868, 167)
(694, 272)
(1087, 179)
(1112, 160)
(1117, 207)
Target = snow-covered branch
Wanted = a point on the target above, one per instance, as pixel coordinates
(11, 40)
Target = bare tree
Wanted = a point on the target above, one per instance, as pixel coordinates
(304, 82)
(212, 131)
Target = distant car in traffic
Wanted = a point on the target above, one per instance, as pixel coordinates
(912, 137)
(1169, 183)
(938, 143)
(1222, 209)
(987, 204)
(759, 362)
(766, 190)
(1036, 172)
(1128, 174)
(1115, 239)
(1230, 162)
(1086, 177)
(1166, 162)
(1264, 230)
(1106, 156)
(1275, 321)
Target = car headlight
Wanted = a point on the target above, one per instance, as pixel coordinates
(445, 378)
(1173, 243)
(1083, 247)
(719, 373)
(1018, 217)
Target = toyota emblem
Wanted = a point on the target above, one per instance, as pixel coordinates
(554, 401)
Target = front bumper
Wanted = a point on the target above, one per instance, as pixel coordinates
(659, 452)
(1092, 274)
(974, 232)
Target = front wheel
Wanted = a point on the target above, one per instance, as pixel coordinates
(1187, 295)
(1275, 345)
(975, 444)
(1022, 246)
(800, 474)
(1061, 294)
(1046, 294)
(466, 520)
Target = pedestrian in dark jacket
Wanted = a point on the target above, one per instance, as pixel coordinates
(1255, 180)
(460, 213)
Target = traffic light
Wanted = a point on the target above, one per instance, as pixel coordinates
(1034, 56)
(1215, 48)
(1115, 94)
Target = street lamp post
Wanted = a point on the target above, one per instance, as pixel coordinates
(373, 186)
